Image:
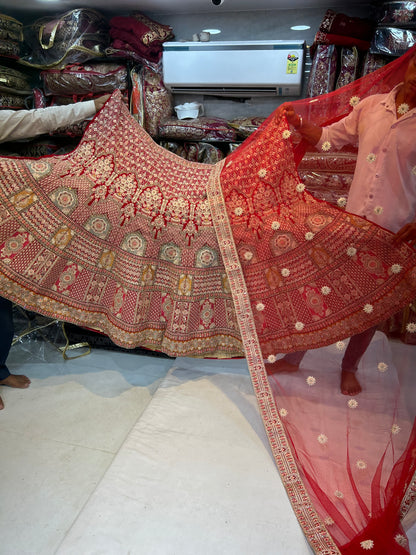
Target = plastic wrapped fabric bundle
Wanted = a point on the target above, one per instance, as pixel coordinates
(397, 14)
(11, 100)
(199, 129)
(328, 176)
(138, 35)
(392, 41)
(11, 36)
(73, 37)
(348, 66)
(157, 101)
(323, 71)
(204, 153)
(93, 79)
(341, 24)
(245, 126)
(373, 62)
(14, 81)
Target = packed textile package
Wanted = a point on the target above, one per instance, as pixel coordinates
(73, 37)
(11, 36)
(86, 79)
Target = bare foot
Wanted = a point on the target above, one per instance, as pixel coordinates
(349, 383)
(1, 404)
(16, 380)
(280, 366)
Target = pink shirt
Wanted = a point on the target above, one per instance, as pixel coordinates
(384, 185)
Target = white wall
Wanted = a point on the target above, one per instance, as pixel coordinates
(256, 25)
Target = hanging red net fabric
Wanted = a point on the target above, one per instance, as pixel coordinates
(296, 263)
(219, 261)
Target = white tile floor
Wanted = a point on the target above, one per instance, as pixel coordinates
(88, 465)
(59, 437)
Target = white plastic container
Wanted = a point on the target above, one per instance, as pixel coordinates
(189, 110)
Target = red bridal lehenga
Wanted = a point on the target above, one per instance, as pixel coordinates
(236, 259)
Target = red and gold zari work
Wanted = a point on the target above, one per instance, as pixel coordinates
(195, 260)
(117, 236)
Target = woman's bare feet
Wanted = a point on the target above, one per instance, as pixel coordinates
(280, 366)
(14, 380)
(349, 383)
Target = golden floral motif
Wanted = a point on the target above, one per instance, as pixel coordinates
(340, 345)
(325, 290)
(248, 255)
(262, 173)
(309, 235)
(323, 439)
(414, 170)
(260, 307)
(62, 237)
(368, 308)
(285, 272)
(185, 285)
(382, 367)
(238, 211)
(310, 380)
(395, 429)
(326, 146)
(378, 210)
(371, 157)
(342, 201)
(339, 494)
(353, 404)
(275, 226)
(283, 412)
(24, 199)
(329, 521)
(367, 544)
(299, 326)
(354, 100)
(361, 465)
(411, 327)
(286, 134)
(107, 259)
(351, 251)
(271, 359)
(300, 187)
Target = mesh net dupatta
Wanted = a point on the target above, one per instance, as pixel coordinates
(307, 275)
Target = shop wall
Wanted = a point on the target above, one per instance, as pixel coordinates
(255, 25)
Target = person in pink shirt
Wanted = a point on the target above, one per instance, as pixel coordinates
(383, 190)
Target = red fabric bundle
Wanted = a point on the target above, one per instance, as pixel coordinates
(139, 34)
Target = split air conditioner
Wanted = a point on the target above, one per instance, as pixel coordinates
(241, 69)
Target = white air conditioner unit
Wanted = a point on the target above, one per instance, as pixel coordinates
(249, 68)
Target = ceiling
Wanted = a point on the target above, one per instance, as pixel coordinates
(172, 6)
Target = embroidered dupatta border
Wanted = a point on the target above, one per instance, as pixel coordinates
(312, 525)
